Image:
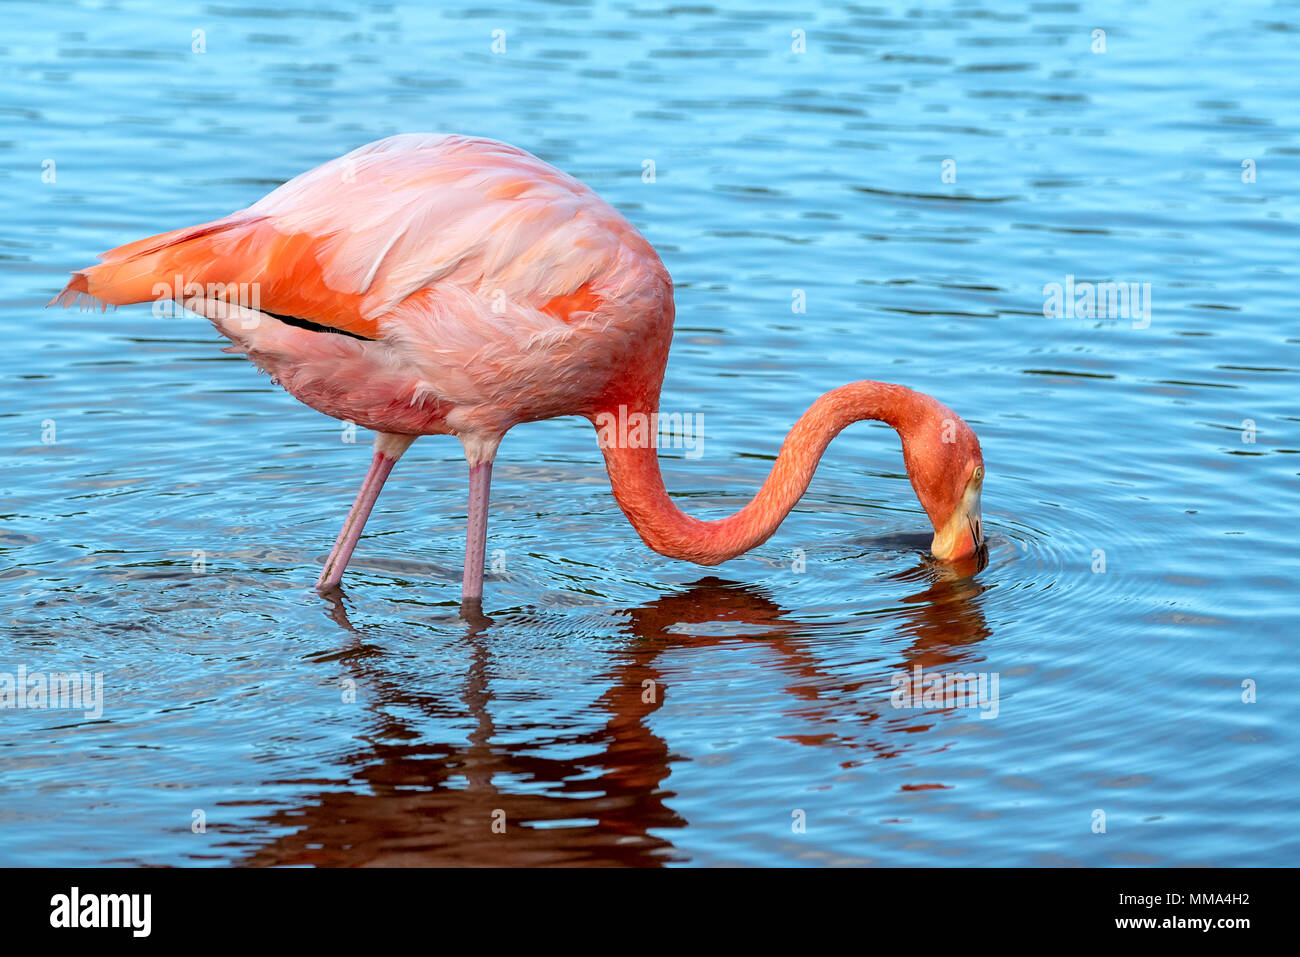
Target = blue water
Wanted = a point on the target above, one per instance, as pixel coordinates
(166, 508)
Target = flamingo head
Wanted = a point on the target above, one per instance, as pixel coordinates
(947, 472)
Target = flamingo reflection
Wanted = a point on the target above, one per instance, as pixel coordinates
(415, 801)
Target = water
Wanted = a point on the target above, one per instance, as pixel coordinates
(169, 535)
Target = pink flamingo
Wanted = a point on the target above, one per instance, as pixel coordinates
(434, 285)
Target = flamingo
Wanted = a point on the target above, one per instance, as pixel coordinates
(442, 284)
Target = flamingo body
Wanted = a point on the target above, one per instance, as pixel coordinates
(440, 284)
(490, 287)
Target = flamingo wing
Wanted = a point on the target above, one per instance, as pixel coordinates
(344, 245)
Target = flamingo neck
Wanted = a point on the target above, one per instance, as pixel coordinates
(639, 487)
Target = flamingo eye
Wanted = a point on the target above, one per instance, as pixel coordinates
(979, 472)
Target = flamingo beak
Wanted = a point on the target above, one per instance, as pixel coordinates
(963, 534)
(976, 522)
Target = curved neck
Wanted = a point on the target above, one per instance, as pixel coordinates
(638, 484)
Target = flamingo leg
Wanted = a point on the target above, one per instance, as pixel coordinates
(388, 449)
(480, 485)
